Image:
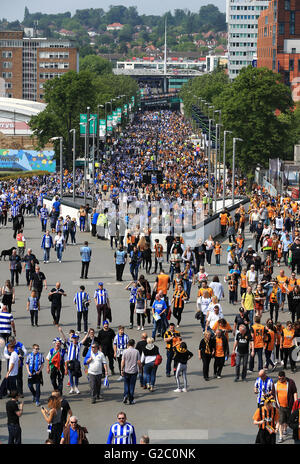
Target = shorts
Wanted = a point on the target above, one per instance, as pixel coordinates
(284, 415)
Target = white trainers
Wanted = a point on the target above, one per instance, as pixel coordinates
(71, 391)
(120, 378)
(178, 390)
(142, 328)
(184, 390)
(77, 391)
(138, 328)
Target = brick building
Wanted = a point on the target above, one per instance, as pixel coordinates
(278, 42)
(26, 63)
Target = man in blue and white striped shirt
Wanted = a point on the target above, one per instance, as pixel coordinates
(263, 387)
(7, 324)
(102, 304)
(72, 362)
(120, 344)
(81, 301)
(121, 432)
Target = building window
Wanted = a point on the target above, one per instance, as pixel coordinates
(293, 50)
(298, 65)
(7, 64)
(7, 54)
(281, 28)
(291, 65)
(287, 4)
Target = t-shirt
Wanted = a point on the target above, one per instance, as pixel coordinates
(257, 332)
(95, 366)
(159, 306)
(56, 297)
(131, 356)
(38, 278)
(11, 409)
(219, 348)
(13, 360)
(282, 394)
(162, 283)
(243, 342)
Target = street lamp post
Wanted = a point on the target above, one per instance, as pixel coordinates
(98, 128)
(224, 165)
(74, 157)
(93, 161)
(60, 162)
(235, 139)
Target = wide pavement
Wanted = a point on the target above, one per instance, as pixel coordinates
(218, 411)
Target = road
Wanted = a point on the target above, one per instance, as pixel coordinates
(218, 411)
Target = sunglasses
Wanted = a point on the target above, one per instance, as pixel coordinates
(73, 422)
(121, 418)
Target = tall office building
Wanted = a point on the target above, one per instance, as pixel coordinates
(242, 17)
(26, 63)
(278, 45)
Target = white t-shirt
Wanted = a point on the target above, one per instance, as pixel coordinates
(95, 366)
(217, 289)
(14, 359)
(212, 318)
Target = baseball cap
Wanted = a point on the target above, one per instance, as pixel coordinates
(100, 283)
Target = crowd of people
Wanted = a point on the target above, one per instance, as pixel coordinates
(255, 280)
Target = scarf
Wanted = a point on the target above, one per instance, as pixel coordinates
(207, 348)
(35, 361)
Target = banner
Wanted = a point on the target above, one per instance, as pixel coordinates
(269, 187)
(93, 124)
(102, 128)
(109, 123)
(115, 118)
(27, 160)
(126, 109)
(119, 112)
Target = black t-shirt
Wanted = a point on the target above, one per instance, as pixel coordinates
(243, 343)
(295, 249)
(37, 279)
(56, 297)
(106, 337)
(11, 408)
(141, 345)
(241, 320)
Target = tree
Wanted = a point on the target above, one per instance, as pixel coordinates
(95, 64)
(249, 107)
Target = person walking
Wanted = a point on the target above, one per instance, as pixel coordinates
(59, 245)
(53, 418)
(38, 279)
(243, 340)
(105, 339)
(74, 434)
(263, 387)
(171, 338)
(55, 296)
(206, 352)
(148, 360)
(285, 393)
(34, 364)
(102, 303)
(130, 365)
(86, 254)
(258, 333)
(33, 306)
(287, 345)
(81, 302)
(221, 352)
(120, 257)
(181, 357)
(14, 411)
(14, 267)
(179, 297)
(8, 295)
(47, 244)
(266, 417)
(21, 243)
(55, 364)
(120, 344)
(121, 432)
(96, 363)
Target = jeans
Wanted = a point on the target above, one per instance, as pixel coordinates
(14, 434)
(170, 355)
(157, 326)
(14, 273)
(134, 270)
(73, 380)
(44, 224)
(187, 285)
(82, 223)
(241, 359)
(259, 352)
(36, 392)
(129, 386)
(150, 373)
(250, 313)
(46, 254)
(59, 250)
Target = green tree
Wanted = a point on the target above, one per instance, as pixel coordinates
(95, 64)
(249, 106)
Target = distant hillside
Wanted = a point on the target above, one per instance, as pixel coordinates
(123, 30)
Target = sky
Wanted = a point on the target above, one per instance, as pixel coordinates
(15, 10)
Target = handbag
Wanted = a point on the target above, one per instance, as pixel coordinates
(233, 359)
(158, 360)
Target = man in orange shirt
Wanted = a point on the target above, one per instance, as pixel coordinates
(258, 332)
(285, 393)
(162, 283)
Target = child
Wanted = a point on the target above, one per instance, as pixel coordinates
(33, 305)
(218, 252)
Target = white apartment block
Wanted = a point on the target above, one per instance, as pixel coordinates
(242, 17)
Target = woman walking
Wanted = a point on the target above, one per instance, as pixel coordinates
(53, 417)
(140, 308)
(181, 358)
(148, 359)
(8, 295)
(178, 300)
(206, 352)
